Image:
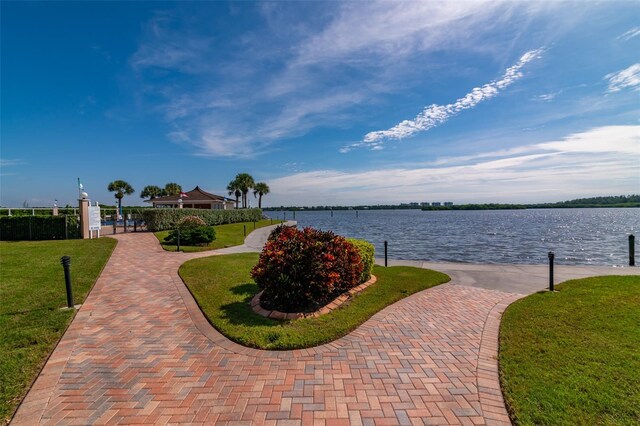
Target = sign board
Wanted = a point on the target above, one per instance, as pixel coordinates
(94, 218)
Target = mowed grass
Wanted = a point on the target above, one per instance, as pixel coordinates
(223, 288)
(573, 357)
(32, 291)
(228, 235)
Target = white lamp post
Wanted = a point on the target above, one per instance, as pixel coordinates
(180, 202)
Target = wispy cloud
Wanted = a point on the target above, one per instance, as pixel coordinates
(281, 81)
(546, 97)
(595, 162)
(627, 78)
(633, 32)
(6, 162)
(434, 115)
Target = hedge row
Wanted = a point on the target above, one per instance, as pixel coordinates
(165, 219)
(25, 228)
(367, 251)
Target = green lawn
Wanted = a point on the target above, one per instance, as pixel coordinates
(573, 357)
(228, 235)
(32, 291)
(223, 288)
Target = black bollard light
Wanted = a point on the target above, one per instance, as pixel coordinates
(178, 242)
(254, 225)
(66, 264)
(551, 257)
(115, 218)
(632, 250)
(271, 219)
(135, 225)
(245, 230)
(386, 244)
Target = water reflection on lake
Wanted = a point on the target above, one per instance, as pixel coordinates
(577, 236)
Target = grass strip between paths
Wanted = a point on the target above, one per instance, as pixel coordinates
(228, 235)
(223, 288)
(32, 291)
(573, 357)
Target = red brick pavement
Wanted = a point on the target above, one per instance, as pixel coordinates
(140, 351)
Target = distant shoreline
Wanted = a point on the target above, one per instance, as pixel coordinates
(460, 207)
(620, 201)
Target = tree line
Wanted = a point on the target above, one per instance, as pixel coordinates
(242, 184)
(238, 187)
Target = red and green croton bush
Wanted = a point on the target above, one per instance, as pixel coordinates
(303, 270)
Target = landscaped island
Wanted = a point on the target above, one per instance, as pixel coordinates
(223, 288)
(298, 271)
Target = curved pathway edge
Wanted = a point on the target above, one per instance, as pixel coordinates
(141, 350)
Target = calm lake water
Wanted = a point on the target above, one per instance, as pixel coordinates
(577, 236)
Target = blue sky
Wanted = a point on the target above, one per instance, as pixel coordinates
(327, 102)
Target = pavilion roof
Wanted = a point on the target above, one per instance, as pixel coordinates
(196, 194)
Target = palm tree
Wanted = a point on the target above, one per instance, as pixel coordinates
(260, 189)
(172, 188)
(121, 188)
(245, 183)
(151, 191)
(234, 189)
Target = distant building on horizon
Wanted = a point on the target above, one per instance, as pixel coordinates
(448, 203)
(436, 204)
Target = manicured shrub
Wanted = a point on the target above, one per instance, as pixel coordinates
(189, 222)
(192, 236)
(367, 254)
(304, 270)
(22, 228)
(164, 219)
(276, 232)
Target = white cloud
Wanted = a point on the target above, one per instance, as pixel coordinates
(633, 32)
(599, 161)
(6, 162)
(628, 77)
(546, 97)
(434, 115)
(281, 81)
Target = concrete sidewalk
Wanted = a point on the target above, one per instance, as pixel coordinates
(521, 279)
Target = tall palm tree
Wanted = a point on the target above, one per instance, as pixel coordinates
(121, 188)
(172, 188)
(234, 189)
(260, 189)
(245, 183)
(151, 191)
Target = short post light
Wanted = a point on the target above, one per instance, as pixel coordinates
(66, 265)
(551, 258)
(632, 250)
(386, 245)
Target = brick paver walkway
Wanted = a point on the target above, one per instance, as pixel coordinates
(139, 351)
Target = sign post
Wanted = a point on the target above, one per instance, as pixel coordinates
(95, 222)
